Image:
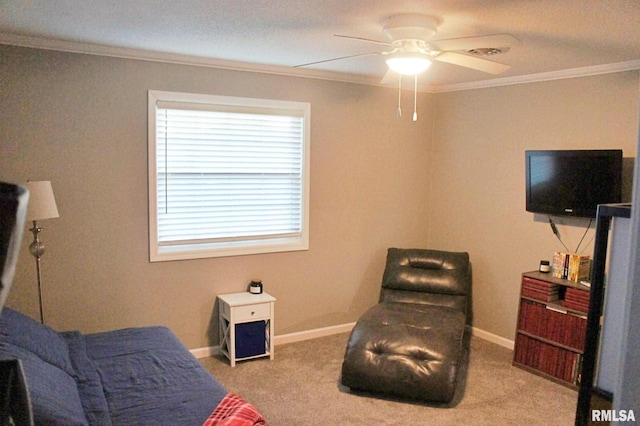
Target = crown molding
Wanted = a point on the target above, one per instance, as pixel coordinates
(180, 59)
(540, 77)
(175, 58)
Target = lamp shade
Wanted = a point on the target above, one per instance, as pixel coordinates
(408, 63)
(42, 204)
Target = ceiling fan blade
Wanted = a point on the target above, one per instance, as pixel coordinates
(467, 43)
(385, 43)
(337, 59)
(390, 78)
(472, 62)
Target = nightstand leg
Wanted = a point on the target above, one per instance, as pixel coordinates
(271, 328)
(232, 344)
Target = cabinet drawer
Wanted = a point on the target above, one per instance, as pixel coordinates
(251, 312)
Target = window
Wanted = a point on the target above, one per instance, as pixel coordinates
(227, 176)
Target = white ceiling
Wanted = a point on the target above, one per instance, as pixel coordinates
(559, 37)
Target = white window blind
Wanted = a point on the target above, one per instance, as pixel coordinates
(230, 176)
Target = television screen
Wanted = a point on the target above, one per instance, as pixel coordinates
(572, 182)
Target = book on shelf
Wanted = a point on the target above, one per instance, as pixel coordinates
(540, 290)
(584, 308)
(539, 295)
(576, 299)
(571, 266)
(549, 359)
(551, 324)
(577, 295)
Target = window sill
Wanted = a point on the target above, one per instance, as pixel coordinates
(242, 248)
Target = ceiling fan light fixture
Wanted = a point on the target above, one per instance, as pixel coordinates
(408, 64)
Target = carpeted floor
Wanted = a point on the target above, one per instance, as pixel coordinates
(301, 387)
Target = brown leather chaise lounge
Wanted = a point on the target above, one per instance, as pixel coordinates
(410, 345)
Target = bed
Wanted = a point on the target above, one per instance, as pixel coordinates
(133, 376)
(122, 377)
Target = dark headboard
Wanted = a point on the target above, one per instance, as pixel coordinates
(13, 209)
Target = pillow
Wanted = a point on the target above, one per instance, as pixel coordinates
(53, 392)
(425, 270)
(22, 331)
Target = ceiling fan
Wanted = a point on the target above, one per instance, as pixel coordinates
(410, 52)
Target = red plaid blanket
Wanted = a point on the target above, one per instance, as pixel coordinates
(235, 411)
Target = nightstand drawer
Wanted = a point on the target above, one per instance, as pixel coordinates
(251, 312)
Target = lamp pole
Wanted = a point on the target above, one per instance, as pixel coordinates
(36, 248)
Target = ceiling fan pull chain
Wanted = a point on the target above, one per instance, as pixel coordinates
(415, 98)
(399, 113)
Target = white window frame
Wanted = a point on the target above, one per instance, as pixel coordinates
(159, 252)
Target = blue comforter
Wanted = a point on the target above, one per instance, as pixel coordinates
(130, 376)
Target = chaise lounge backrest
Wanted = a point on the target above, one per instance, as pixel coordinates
(426, 276)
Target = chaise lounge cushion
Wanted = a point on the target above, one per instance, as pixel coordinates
(408, 351)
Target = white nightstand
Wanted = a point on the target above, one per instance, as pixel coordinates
(246, 325)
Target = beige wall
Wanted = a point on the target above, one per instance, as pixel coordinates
(81, 122)
(477, 181)
(454, 181)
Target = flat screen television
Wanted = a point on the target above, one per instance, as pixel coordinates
(572, 182)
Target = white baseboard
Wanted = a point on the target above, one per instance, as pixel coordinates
(313, 334)
(337, 329)
(493, 338)
(285, 338)
(205, 352)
